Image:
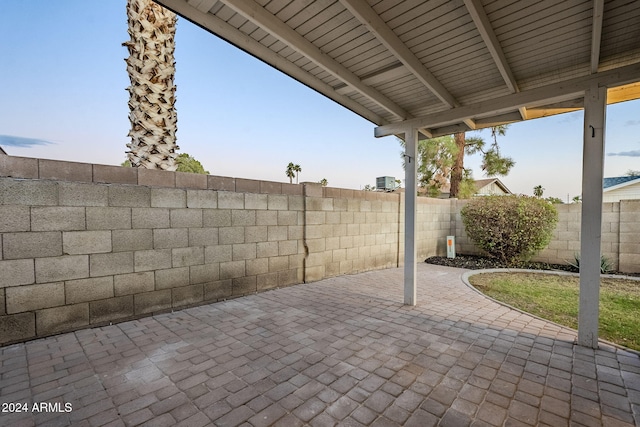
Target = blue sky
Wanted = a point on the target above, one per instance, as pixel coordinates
(63, 97)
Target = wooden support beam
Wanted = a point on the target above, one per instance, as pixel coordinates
(410, 206)
(595, 105)
(556, 92)
(596, 34)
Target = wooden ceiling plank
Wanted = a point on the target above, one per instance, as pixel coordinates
(536, 16)
(269, 22)
(203, 5)
(431, 14)
(316, 14)
(368, 17)
(491, 41)
(290, 10)
(569, 29)
(339, 24)
(344, 40)
(273, 6)
(366, 64)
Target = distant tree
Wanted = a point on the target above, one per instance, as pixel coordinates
(369, 187)
(185, 162)
(576, 199)
(441, 161)
(323, 182)
(554, 200)
(631, 172)
(434, 163)
(290, 172)
(493, 163)
(538, 190)
(467, 187)
(297, 169)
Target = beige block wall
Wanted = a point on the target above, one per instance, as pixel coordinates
(78, 254)
(435, 221)
(629, 235)
(349, 231)
(133, 244)
(84, 245)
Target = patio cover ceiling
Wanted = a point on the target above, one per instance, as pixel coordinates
(441, 66)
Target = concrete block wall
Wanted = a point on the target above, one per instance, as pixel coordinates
(349, 231)
(565, 243)
(84, 245)
(76, 251)
(435, 221)
(135, 250)
(629, 246)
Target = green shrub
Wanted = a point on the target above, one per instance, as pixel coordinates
(510, 228)
(605, 263)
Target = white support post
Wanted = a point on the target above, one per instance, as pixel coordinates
(410, 203)
(595, 104)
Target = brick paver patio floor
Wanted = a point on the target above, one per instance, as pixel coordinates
(342, 351)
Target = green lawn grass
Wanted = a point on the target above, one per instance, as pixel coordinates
(555, 298)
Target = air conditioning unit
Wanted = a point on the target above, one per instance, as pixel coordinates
(386, 183)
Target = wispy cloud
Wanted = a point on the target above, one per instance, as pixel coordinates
(634, 153)
(632, 123)
(569, 117)
(19, 141)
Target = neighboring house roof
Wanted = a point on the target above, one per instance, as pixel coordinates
(483, 183)
(620, 188)
(616, 182)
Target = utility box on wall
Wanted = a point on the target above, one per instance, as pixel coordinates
(451, 246)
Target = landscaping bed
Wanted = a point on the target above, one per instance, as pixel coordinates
(474, 262)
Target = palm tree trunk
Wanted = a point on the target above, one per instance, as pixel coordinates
(151, 69)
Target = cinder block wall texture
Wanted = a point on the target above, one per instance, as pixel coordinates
(84, 245)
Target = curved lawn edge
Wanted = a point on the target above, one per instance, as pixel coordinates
(465, 279)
